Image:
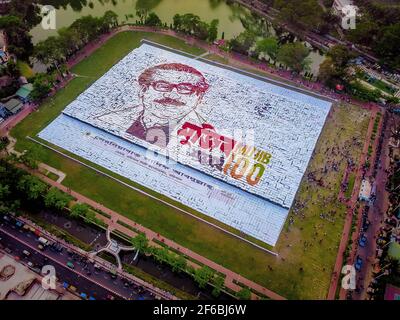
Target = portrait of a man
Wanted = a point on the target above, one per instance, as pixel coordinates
(168, 93)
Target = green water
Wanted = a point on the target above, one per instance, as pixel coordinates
(229, 16)
(207, 10)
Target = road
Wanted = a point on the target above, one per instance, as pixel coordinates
(97, 283)
(375, 215)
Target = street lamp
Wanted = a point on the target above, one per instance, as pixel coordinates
(385, 273)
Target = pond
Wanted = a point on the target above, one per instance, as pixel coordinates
(230, 16)
(207, 10)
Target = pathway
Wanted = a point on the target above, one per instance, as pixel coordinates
(349, 216)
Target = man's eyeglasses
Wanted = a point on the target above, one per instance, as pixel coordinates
(182, 88)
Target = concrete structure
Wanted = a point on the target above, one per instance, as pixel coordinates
(338, 5)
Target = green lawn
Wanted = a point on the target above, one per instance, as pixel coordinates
(287, 278)
(350, 186)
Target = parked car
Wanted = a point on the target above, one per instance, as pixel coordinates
(358, 264)
(363, 241)
(43, 241)
(70, 265)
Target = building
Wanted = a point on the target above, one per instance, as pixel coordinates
(338, 5)
(392, 292)
(10, 108)
(24, 92)
(18, 282)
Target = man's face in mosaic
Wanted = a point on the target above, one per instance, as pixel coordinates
(169, 95)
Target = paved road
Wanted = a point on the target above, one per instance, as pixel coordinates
(376, 216)
(97, 283)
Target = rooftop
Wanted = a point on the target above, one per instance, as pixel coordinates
(13, 105)
(25, 90)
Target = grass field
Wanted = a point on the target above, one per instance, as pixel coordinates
(350, 186)
(304, 267)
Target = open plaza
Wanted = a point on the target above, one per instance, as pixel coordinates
(284, 122)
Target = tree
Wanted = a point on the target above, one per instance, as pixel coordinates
(218, 282)
(70, 39)
(32, 187)
(191, 24)
(31, 156)
(333, 69)
(56, 199)
(142, 14)
(387, 46)
(177, 22)
(160, 254)
(243, 42)
(79, 210)
(153, 20)
(110, 19)
(306, 14)
(4, 141)
(178, 263)
(268, 46)
(294, 55)
(213, 30)
(42, 84)
(91, 216)
(27, 11)
(19, 39)
(340, 55)
(140, 242)
(50, 51)
(203, 275)
(244, 294)
(327, 73)
(364, 33)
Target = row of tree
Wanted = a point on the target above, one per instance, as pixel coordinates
(192, 25)
(55, 49)
(378, 27)
(293, 55)
(20, 189)
(202, 276)
(335, 69)
(305, 14)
